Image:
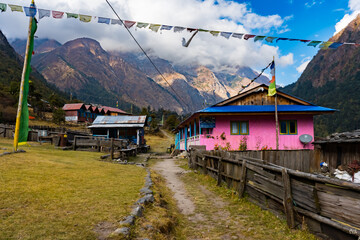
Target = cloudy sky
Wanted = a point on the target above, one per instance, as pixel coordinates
(304, 19)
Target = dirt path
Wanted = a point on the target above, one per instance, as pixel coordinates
(207, 214)
(171, 172)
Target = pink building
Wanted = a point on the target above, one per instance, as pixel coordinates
(247, 122)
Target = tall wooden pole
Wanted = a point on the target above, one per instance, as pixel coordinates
(26, 60)
(276, 117)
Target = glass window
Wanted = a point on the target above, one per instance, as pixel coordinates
(234, 128)
(288, 127)
(244, 127)
(292, 127)
(239, 128)
(283, 127)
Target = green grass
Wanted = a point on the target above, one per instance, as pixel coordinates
(158, 143)
(244, 217)
(53, 194)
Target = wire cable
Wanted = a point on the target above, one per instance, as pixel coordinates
(157, 69)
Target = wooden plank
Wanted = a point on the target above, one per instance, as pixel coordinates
(340, 204)
(288, 202)
(220, 166)
(303, 195)
(112, 149)
(204, 165)
(242, 180)
(261, 171)
(343, 227)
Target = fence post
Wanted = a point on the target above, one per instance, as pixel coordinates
(242, 180)
(287, 201)
(219, 171)
(74, 144)
(112, 149)
(98, 145)
(204, 165)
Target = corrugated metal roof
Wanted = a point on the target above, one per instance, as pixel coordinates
(264, 109)
(72, 106)
(120, 120)
(120, 125)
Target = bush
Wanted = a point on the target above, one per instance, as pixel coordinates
(58, 116)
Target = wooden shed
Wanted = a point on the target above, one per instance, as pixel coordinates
(338, 149)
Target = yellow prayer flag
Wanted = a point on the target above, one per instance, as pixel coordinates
(85, 18)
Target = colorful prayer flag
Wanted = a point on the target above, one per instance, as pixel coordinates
(116, 21)
(314, 43)
(30, 11)
(272, 86)
(238, 35)
(72, 15)
(142, 25)
(225, 34)
(270, 39)
(203, 30)
(24, 112)
(280, 39)
(215, 33)
(247, 36)
(129, 24)
(155, 27)
(85, 18)
(57, 14)
(3, 7)
(178, 29)
(104, 20)
(325, 45)
(304, 41)
(336, 45)
(191, 29)
(165, 27)
(43, 13)
(16, 8)
(259, 38)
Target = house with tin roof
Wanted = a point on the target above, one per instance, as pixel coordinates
(247, 122)
(120, 127)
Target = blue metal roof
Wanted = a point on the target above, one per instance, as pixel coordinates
(264, 109)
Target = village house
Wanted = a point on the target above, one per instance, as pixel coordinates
(120, 127)
(79, 112)
(247, 122)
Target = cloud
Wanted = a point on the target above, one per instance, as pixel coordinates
(354, 7)
(300, 69)
(313, 3)
(204, 49)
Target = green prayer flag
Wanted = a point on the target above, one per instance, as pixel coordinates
(3, 7)
(72, 15)
(24, 117)
(325, 45)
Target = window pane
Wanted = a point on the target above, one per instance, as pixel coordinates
(292, 127)
(283, 128)
(234, 128)
(243, 128)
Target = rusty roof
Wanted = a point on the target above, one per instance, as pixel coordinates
(73, 106)
(123, 119)
(115, 110)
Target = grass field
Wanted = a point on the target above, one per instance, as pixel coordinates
(160, 142)
(53, 194)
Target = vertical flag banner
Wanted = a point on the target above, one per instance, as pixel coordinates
(272, 86)
(22, 118)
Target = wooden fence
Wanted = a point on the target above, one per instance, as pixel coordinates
(329, 207)
(302, 160)
(99, 143)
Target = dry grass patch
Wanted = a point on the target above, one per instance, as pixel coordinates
(53, 194)
(158, 143)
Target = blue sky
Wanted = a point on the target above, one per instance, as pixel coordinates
(314, 20)
(303, 19)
